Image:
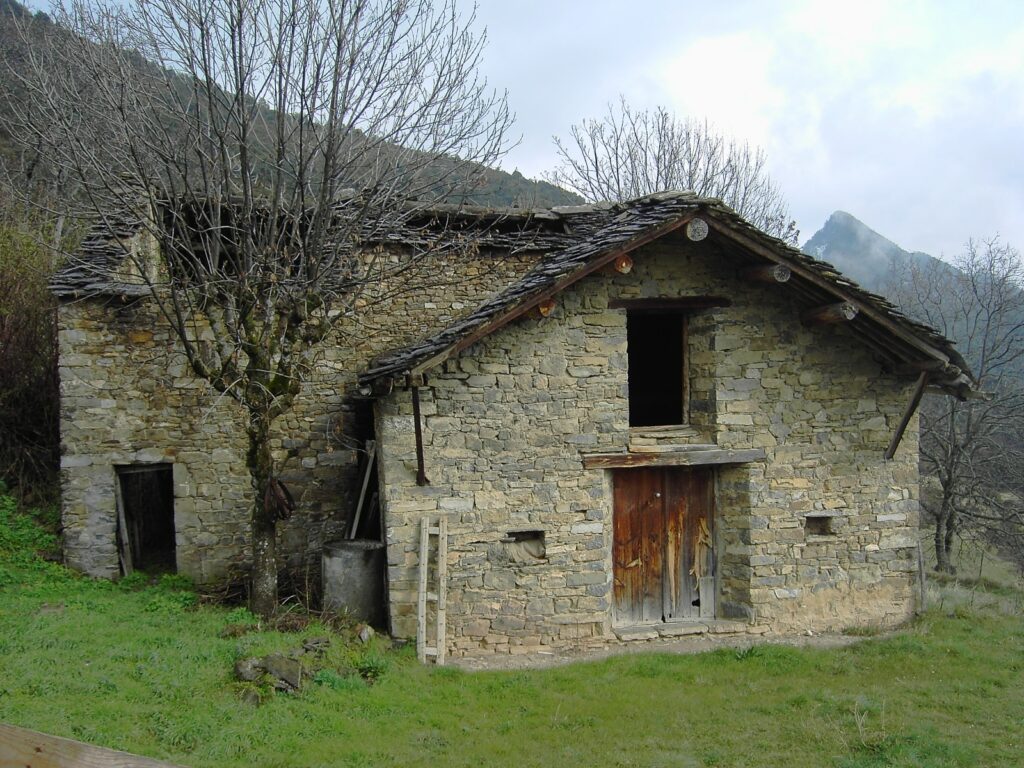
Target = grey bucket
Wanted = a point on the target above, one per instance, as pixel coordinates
(353, 579)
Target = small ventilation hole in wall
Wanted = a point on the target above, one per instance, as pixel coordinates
(818, 525)
(525, 546)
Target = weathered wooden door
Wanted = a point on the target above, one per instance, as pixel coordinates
(662, 527)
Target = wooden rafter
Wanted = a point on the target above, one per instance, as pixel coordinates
(840, 312)
(829, 287)
(532, 301)
(767, 273)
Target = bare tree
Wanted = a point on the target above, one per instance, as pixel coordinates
(629, 153)
(974, 449)
(259, 141)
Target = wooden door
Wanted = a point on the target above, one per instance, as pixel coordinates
(657, 534)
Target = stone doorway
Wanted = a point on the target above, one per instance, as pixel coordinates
(145, 518)
(662, 561)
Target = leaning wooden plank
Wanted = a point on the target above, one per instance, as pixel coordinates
(371, 455)
(30, 749)
(421, 601)
(442, 588)
(123, 540)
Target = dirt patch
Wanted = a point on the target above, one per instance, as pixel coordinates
(686, 644)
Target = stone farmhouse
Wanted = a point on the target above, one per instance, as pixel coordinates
(623, 421)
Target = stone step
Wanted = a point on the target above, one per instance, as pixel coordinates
(636, 633)
(686, 627)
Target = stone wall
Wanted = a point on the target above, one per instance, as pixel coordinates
(128, 397)
(506, 422)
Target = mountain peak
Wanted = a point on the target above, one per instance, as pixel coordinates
(856, 249)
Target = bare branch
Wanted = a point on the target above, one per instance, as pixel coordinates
(629, 153)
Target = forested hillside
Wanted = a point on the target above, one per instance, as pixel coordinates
(497, 188)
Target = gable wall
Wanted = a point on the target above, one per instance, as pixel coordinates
(505, 424)
(128, 396)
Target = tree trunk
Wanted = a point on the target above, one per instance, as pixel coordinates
(263, 592)
(944, 540)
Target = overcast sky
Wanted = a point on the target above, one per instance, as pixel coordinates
(908, 115)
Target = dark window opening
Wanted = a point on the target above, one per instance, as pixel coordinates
(657, 369)
(364, 519)
(146, 518)
(818, 525)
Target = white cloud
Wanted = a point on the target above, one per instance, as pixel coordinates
(727, 80)
(907, 114)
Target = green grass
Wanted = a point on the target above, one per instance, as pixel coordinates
(146, 668)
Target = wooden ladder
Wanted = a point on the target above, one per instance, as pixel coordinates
(438, 596)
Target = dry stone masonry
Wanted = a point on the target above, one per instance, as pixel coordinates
(811, 528)
(506, 424)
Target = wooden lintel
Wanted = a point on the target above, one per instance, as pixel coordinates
(915, 401)
(680, 458)
(840, 312)
(560, 285)
(670, 303)
(768, 273)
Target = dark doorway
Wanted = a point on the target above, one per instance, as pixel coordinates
(145, 515)
(656, 348)
(662, 557)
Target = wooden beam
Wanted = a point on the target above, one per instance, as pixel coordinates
(560, 285)
(670, 303)
(623, 264)
(767, 273)
(421, 472)
(20, 746)
(915, 401)
(546, 307)
(841, 312)
(682, 458)
(813, 277)
(918, 366)
(697, 230)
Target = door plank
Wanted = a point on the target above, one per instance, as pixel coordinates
(651, 503)
(627, 537)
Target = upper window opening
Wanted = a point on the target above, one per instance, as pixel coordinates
(658, 379)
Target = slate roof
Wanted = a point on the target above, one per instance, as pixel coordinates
(610, 228)
(90, 270)
(571, 238)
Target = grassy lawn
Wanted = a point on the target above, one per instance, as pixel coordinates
(145, 668)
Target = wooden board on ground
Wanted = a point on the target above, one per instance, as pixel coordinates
(30, 749)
